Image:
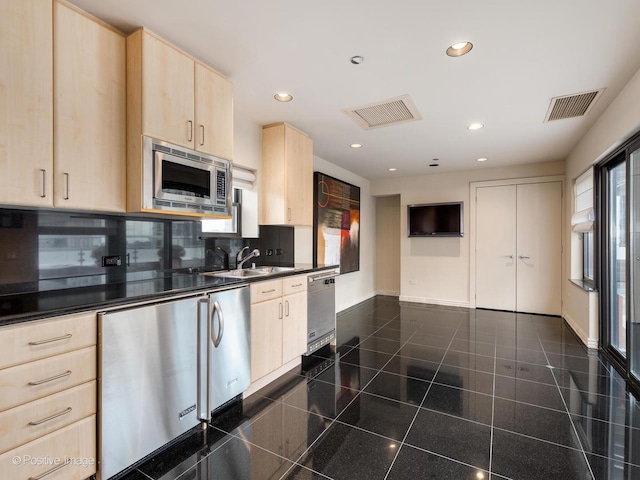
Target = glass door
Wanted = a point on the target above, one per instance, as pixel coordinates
(616, 257)
(634, 262)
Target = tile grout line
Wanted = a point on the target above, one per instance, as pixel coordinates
(493, 404)
(575, 432)
(421, 403)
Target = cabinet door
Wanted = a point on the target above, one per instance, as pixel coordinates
(213, 113)
(299, 178)
(266, 337)
(167, 92)
(273, 176)
(90, 114)
(294, 328)
(26, 103)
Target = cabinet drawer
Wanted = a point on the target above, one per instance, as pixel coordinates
(295, 284)
(262, 291)
(35, 340)
(71, 450)
(24, 383)
(35, 419)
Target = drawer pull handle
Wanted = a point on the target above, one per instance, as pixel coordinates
(296, 285)
(49, 340)
(51, 379)
(268, 291)
(53, 470)
(55, 415)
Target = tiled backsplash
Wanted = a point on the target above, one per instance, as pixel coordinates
(48, 250)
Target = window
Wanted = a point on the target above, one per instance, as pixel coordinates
(582, 223)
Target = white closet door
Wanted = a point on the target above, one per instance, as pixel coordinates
(496, 247)
(539, 244)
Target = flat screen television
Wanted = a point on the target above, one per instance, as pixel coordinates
(435, 220)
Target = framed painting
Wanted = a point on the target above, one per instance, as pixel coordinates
(336, 223)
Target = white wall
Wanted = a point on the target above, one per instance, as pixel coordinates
(618, 122)
(437, 270)
(354, 287)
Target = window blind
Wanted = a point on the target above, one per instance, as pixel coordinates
(583, 213)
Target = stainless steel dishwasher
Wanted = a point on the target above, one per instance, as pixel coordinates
(321, 310)
(164, 367)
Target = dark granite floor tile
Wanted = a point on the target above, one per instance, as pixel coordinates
(365, 358)
(298, 472)
(525, 371)
(135, 475)
(398, 387)
(469, 361)
(347, 375)
(413, 463)
(285, 430)
(353, 336)
(240, 460)
(477, 348)
(322, 398)
(561, 348)
(403, 324)
(612, 469)
(536, 422)
(430, 340)
(460, 403)
(521, 355)
(523, 458)
(483, 337)
(379, 415)
(344, 452)
(184, 454)
(539, 394)
(380, 345)
(441, 331)
(411, 367)
(420, 352)
(474, 380)
(392, 334)
(458, 439)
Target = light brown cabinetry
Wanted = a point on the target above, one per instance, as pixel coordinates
(48, 407)
(176, 99)
(278, 323)
(89, 112)
(49, 43)
(287, 176)
(26, 103)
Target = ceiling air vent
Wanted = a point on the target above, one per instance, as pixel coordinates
(385, 113)
(570, 106)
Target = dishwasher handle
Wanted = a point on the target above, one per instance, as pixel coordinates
(203, 398)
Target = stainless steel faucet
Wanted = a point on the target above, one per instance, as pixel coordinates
(240, 261)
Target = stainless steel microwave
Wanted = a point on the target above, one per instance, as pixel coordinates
(180, 180)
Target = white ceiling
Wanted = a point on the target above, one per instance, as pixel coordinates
(524, 54)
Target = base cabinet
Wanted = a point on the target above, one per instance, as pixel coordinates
(48, 405)
(278, 323)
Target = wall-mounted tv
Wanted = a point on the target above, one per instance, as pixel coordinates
(435, 220)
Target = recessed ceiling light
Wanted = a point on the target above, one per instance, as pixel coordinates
(459, 48)
(356, 145)
(357, 60)
(393, 169)
(475, 126)
(283, 97)
(483, 159)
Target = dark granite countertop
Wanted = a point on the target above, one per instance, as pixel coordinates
(34, 305)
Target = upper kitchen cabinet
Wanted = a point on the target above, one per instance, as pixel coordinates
(89, 112)
(26, 103)
(173, 98)
(287, 176)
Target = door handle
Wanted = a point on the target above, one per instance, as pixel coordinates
(203, 404)
(509, 256)
(523, 257)
(217, 309)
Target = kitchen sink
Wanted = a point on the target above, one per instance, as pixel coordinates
(250, 272)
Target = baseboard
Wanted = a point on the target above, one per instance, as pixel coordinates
(434, 301)
(267, 379)
(591, 343)
(388, 293)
